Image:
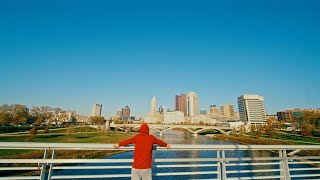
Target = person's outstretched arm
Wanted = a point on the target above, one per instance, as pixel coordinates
(124, 143)
(161, 143)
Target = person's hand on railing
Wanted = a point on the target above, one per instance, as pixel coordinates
(116, 146)
(168, 146)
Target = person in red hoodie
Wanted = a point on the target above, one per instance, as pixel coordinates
(142, 158)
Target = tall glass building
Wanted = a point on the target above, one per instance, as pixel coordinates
(192, 104)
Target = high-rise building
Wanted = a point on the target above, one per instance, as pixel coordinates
(126, 112)
(175, 117)
(227, 111)
(120, 113)
(214, 111)
(252, 110)
(96, 110)
(153, 107)
(180, 103)
(192, 104)
(177, 103)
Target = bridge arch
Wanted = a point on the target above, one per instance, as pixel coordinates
(209, 128)
(170, 128)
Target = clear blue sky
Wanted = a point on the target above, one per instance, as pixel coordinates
(72, 54)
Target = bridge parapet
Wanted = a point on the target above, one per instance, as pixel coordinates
(223, 163)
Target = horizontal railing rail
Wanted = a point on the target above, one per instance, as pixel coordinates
(223, 163)
(90, 146)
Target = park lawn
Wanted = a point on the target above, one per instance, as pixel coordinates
(298, 139)
(13, 129)
(83, 137)
(82, 129)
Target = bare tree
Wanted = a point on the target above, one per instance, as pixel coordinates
(41, 114)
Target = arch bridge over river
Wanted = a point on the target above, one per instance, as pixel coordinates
(193, 129)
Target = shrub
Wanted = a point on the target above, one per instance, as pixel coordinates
(46, 130)
(316, 133)
(33, 131)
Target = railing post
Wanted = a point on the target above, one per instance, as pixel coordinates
(51, 165)
(218, 165)
(223, 163)
(44, 165)
(284, 166)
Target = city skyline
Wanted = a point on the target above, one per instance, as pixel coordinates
(74, 54)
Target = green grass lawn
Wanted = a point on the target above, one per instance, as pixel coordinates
(300, 140)
(81, 129)
(13, 129)
(291, 137)
(89, 136)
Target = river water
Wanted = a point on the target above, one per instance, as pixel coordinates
(183, 137)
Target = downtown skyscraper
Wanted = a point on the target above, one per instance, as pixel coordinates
(188, 104)
(124, 113)
(180, 103)
(227, 111)
(153, 107)
(96, 110)
(192, 104)
(252, 110)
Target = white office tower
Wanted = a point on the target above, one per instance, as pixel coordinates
(192, 104)
(175, 117)
(251, 109)
(153, 107)
(96, 110)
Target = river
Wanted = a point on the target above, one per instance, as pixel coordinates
(183, 137)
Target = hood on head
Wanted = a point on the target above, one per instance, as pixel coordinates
(144, 129)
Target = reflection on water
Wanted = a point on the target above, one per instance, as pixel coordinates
(183, 137)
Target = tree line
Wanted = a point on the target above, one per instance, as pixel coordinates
(306, 124)
(18, 114)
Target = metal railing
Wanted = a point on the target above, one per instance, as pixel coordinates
(221, 162)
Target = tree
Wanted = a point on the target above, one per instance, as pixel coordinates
(242, 129)
(58, 116)
(307, 128)
(5, 118)
(96, 120)
(234, 131)
(73, 119)
(41, 114)
(20, 114)
(280, 125)
(33, 131)
(268, 128)
(312, 118)
(256, 130)
(46, 130)
(13, 114)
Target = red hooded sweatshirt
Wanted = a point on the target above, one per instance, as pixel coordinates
(142, 158)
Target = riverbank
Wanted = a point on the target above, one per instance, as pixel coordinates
(251, 140)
